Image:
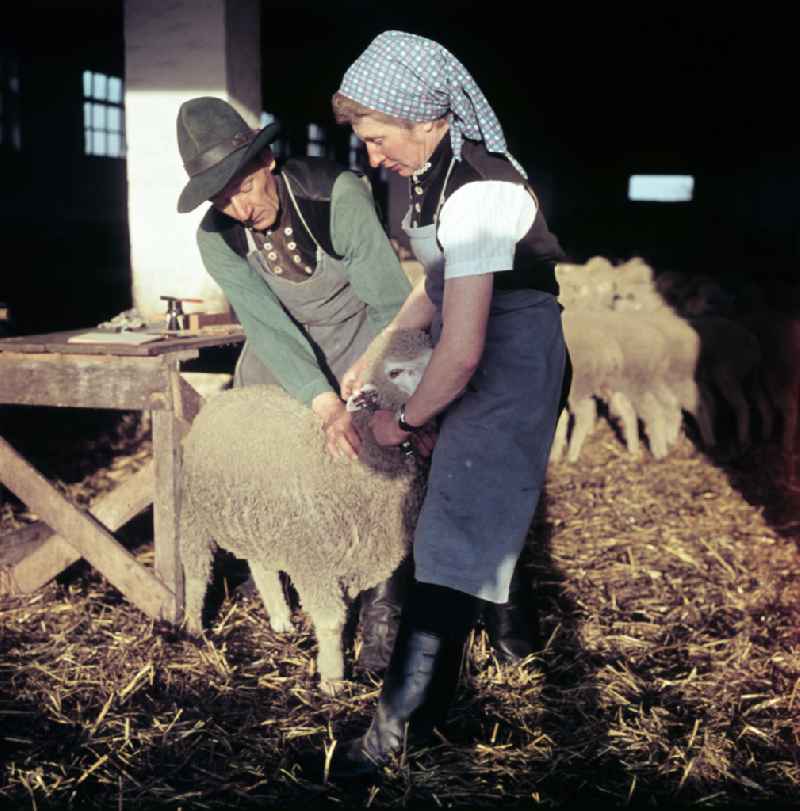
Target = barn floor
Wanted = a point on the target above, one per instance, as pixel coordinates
(670, 604)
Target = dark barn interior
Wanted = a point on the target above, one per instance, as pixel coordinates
(585, 104)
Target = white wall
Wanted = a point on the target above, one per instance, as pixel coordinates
(173, 52)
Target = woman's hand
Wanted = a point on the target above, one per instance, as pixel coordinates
(353, 378)
(342, 439)
(386, 431)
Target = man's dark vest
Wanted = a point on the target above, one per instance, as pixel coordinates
(311, 181)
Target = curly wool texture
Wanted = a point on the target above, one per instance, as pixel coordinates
(258, 482)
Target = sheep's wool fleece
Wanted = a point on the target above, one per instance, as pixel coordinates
(259, 481)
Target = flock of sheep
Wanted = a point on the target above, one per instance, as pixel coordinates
(656, 348)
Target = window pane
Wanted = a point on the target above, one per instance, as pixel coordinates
(87, 115)
(115, 89)
(87, 142)
(98, 143)
(98, 116)
(100, 91)
(114, 119)
(315, 150)
(661, 188)
(87, 84)
(114, 142)
(315, 133)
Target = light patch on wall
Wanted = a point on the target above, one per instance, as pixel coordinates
(661, 188)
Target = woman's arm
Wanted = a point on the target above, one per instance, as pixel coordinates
(465, 314)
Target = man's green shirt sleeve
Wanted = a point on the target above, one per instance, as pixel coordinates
(369, 260)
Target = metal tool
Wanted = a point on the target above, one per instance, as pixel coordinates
(174, 320)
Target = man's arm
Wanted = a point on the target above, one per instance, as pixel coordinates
(371, 264)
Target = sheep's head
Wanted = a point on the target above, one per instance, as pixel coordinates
(397, 362)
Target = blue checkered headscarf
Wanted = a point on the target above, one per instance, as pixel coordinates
(415, 78)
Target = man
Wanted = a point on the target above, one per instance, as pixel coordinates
(306, 265)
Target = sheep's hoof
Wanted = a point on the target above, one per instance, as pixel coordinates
(331, 687)
(281, 625)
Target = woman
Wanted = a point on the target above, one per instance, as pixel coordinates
(496, 375)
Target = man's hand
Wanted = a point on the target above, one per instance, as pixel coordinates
(342, 439)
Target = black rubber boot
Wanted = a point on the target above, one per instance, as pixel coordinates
(379, 618)
(513, 627)
(419, 683)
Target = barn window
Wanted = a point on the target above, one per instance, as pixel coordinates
(10, 134)
(316, 141)
(356, 152)
(660, 188)
(278, 146)
(103, 115)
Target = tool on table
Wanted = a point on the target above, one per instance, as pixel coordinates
(175, 311)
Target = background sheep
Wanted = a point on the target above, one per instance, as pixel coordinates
(258, 482)
(682, 352)
(596, 366)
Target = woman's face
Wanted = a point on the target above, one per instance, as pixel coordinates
(397, 148)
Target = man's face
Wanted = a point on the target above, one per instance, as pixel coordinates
(251, 197)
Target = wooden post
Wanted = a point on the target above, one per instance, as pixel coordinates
(169, 427)
(97, 545)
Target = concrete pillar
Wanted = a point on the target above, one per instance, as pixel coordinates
(173, 52)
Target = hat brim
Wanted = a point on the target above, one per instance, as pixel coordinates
(205, 185)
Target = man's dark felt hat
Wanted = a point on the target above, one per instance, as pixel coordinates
(215, 142)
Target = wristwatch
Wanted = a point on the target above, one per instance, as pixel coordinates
(401, 421)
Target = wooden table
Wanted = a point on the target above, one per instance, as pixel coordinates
(45, 370)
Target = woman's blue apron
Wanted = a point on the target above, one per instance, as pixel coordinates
(490, 460)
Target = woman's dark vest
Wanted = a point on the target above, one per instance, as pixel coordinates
(538, 251)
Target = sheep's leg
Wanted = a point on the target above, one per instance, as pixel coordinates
(763, 407)
(620, 406)
(321, 597)
(268, 583)
(585, 412)
(731, 390)
(197, 554)
(789, 433)
(654, 425)
(673, 416)
(560, 437)
(698, 401)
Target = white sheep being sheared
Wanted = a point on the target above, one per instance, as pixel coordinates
(258, 482)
